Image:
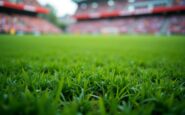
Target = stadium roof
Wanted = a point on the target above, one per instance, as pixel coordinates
(118, 13)
(23, 7)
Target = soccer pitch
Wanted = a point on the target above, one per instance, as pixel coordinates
(98, 75)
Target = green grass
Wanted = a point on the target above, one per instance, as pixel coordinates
(94, 75)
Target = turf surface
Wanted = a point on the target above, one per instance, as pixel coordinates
(75, 75)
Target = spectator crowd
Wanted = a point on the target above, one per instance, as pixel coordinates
(16, 23)
(25, 24)
(146, 24)
(143, 24)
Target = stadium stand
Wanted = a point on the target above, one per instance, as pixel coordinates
(20, 16)
(129, 16)
(26, 2)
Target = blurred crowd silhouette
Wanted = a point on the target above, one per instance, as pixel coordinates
(17, 22)
(100, 17)
(130, 16)
(146, 25)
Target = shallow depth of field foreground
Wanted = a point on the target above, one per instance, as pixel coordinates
(97, 75)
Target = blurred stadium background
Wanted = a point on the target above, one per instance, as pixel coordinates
(95, 17)
(121, 63)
